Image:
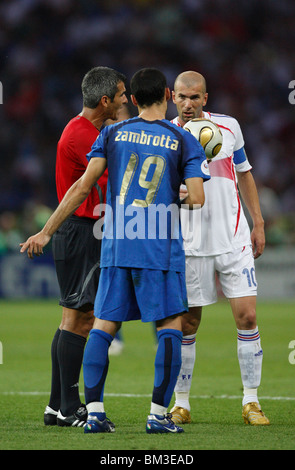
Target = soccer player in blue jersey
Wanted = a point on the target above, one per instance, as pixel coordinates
(142, 258)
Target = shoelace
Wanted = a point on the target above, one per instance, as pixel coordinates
(168, 416)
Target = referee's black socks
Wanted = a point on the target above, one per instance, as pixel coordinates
(70, 352)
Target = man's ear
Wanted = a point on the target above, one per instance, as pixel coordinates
(104, 100)
(133, 99)
(167, 94)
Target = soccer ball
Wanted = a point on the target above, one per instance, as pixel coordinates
(207, 133)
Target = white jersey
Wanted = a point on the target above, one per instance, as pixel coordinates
(220, 226)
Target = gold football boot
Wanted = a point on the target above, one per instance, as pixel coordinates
(180, 415)
(253, 414)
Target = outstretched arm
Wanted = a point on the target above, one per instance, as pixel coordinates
(74, 197)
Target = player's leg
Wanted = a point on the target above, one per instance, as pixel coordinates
(161, 297)
(250, 357)
(110, 310)
(167, 367)
(51, 410)
(167, 362)
(248, 345)
(76, 254)
(75, 328)
(95, 369)
(201, 290)
(190, 324)
(237, 277)
(67, 350)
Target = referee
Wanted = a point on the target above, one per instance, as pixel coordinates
(76, 251)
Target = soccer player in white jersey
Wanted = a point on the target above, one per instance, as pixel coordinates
(224, 246)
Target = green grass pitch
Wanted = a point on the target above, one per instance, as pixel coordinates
(26, 331)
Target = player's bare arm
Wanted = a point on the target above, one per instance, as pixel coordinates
(74, 197)
(249, 194)
(195, 193)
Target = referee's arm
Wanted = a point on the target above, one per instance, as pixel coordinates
(73, 198)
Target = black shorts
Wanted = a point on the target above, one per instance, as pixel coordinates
(76, 254)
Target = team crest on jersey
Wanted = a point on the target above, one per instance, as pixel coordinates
(205, 167)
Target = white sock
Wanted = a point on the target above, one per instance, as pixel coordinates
(157, 409)
(95, 407)
(250, 396)
(250, 359)
(184, 380)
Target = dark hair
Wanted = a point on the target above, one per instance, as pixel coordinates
(99, 82)
(148, 86)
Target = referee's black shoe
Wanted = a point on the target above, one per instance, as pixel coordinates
(50, 416)
(77, 419)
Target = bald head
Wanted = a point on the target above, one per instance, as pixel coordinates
(189, 95)
(190, 79)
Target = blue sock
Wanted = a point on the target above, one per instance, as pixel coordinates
(95, 365)
(167, 365)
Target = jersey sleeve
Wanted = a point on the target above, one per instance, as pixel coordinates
(239, 143)
(194, 158)
(240, 159)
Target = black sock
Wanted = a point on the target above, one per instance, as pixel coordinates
(70, 355)
(54, 401)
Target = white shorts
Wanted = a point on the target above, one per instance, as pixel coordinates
(235, 271)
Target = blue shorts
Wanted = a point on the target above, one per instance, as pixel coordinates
(132, 294)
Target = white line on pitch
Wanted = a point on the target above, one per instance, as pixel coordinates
(134, 395)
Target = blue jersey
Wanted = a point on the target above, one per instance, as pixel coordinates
(147, 161)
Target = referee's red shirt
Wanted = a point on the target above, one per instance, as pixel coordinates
(71, 162)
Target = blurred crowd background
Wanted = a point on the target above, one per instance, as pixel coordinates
(244, 48)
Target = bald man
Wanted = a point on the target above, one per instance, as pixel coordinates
(222, 244)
